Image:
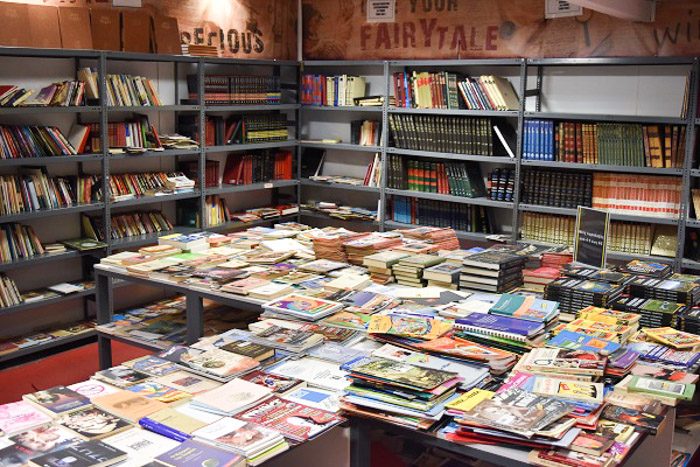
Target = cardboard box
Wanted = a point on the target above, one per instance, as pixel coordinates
(105, 24)
(75, 27)
(167, 35)
(44, 28)
(136, 31)
(14, 25)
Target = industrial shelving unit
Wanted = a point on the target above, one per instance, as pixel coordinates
(108, 62)
(523, 68)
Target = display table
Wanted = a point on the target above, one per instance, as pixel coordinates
(652, 451)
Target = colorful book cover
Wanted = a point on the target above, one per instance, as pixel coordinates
(93, 423)
(158, 391)
(577, 341)
(465, 349)
(408, 326)
(400, 373)
(661, 387)
(498, 323)
(673, 338)
(276, 383)
(35, 442)
(348, 320)
(303, 305)
(57, 400)
(293, 420)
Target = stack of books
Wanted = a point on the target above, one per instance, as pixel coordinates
(492, 271)
(689, 320)
(502, 332)
(445, 275)
(678, 288)
(409, 270)
(406, 394)
(129, 186)
(444, 238)
(653, 313)
(303, 307)
(356, 250)
(574, 294)
(329, 245)
(537, 279)
(380, 265)
(219, 365)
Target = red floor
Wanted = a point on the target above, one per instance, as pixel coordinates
(64, 368)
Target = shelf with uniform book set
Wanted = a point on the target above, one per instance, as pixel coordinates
(521, 122)
(94, 119)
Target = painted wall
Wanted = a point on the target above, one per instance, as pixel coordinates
(241, 28)
(450, 29)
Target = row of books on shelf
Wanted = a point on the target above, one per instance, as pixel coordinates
(33, 141)
(340, 211)
(59, 94)
(624, 237)
(259, 128)
(626, 144)
(333, 91)
(122, 89)
(457, 135)
(125, 225)
(451, 177)
(642, 195)
(372, 178)
(10, 294)
(133, 185)
(463, 217)
(236, 89)
(366, 132)
(501, 184)
(442, 90)
(44, 336)
(560, 189)
(34, 190)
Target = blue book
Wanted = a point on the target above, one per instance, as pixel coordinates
(526, 139)
(196, 454)
(492, 324)
(578, 341)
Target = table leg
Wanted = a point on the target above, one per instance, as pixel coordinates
(195, 318)
(104, 316)
(360, 444)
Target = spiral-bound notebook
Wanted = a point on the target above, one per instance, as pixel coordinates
(499, 326)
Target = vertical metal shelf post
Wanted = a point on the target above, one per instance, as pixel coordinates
(104, 141)
(515, 236)
(201, 72)
(690, 114)
(384, 144)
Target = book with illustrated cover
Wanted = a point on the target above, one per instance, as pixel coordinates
(252, 350)
(159, 392)
(16, 417)
(303, 306)
(93, 388)
(152, 365)
(568, 389)
(187, 382)
(57, 400)
(499, 324)
(128, 405)
(642, 420)
(294, 421)
(35, 442)
(221, 365)
(92, 423)
(244, 286)
(319, 373)
(401, 374)
(348, 320)
(577, 341)
(85, 454)
(408, 326)
(143, 445)
(314, 397)
(677, 339)
(468, 400)
(667, 374)
(494, 260)
(661, 387)
(560, 361)
(276, 383)
(238, 436)
(120, 376)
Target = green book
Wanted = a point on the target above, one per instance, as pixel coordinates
(507, 304)
(661, 388)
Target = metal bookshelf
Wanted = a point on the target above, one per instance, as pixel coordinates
(529, 71)
(109, 62)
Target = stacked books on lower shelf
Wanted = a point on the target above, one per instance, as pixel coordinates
(39, 339)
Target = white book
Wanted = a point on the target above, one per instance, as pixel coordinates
(141, 446)
(239, 436)
(314, 372)
(233, 397)
(314, 397)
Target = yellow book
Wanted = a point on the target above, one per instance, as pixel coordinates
(470, 399)
(673, 338)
